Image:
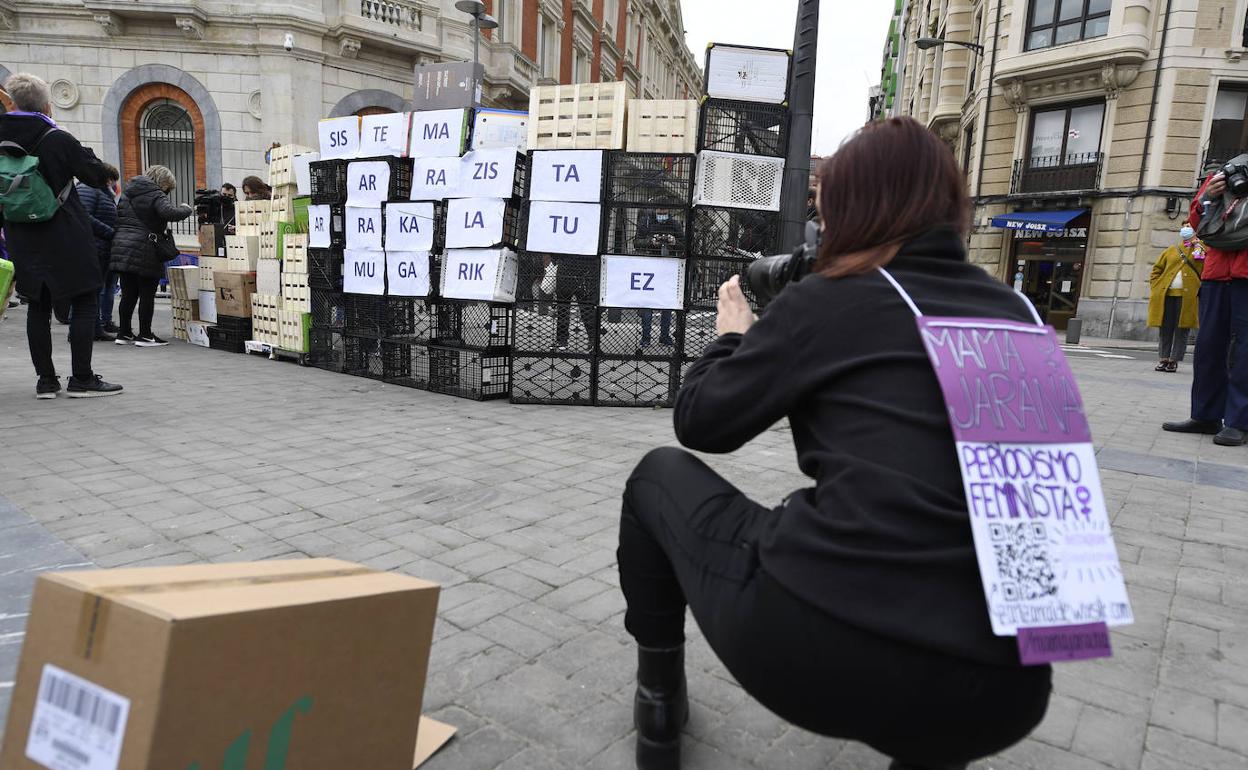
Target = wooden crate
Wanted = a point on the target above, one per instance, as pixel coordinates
(295, 328)
(265, 310)
(242, 252)
(183, 281)
(251, 213)
(662, 125)
(584, 116)
(295, 254)
(295, 293)
(208, 266)
(282, 205)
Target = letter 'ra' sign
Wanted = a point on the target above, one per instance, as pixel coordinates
(409, 226)
(563, 228)
(364, 271)
(340, 137)
(363, 227)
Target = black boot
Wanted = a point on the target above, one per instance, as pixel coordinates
(661, 707)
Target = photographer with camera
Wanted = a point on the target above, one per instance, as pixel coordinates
(1220, 364)
(855, 608)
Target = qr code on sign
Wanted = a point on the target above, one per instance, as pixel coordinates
(1023, 563)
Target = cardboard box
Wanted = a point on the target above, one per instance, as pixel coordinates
(234, 292)
(197, 333)
(208, 306)
(447, 85)
(311, 664)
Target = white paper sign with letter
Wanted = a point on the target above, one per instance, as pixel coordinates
(564, 228)
(435, 178)
(437, 134)
(487, 174)
(408, 273)
(340, 137)
(480, 274)
(409, 226)
(318, 227)
(567, 175)
(474, 222)
(364, 271)
(747, 74)
(384, 134)
(645, 282)
(368, 182)
(363, 227)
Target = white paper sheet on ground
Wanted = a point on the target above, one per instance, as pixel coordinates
(474, 222)
(407, 273)
(363, 227)
(302, 164)
(437, 133)
(409, 226)
(487, 174)
(340, 137)
(384, 134)
(364, 271)
(563, 228)
(480, 274)
(435, 178)
(642, 282)
(368, 182)
(747, 74)
(318, 226)
(566, 175)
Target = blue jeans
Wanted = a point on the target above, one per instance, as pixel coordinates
(1220, 367)
(107, 293)
(647, 323)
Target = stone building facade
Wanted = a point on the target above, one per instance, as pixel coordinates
(205, 86)
(1089, 119)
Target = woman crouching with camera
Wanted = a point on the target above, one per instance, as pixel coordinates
(854, 609)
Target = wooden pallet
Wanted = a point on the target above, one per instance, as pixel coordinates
(662, 125)
(583, 116)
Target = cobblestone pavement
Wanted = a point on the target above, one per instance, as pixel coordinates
(217, 457)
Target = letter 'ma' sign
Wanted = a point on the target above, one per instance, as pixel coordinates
(438, 133)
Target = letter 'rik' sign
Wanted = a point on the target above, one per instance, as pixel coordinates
(368, 182)
(642, 282)
(363, 227)
(319, 227)
(408, 273)
(364, 271)
(480, 274)
(409, 226)
(563, 228)
(384, 134)
(567, 175)
(340, 137)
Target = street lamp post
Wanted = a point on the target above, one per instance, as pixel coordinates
(480, 20)
(925, 43)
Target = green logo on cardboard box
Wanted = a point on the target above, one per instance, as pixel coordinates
(279, 742)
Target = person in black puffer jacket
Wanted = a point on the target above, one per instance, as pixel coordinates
(101, 208)
(144, 212)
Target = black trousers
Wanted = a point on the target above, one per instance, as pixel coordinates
(140, 290)
(567, 286)
(687, 536)
(82, 311)
(1172, 343)
(1220, 368)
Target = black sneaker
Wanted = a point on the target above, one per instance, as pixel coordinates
(103, 336)
(150, 341)
(92, 388)
(111, 328)
(124, 338)
(47, 387)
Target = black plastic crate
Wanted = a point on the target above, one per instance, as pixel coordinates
(575, 277)
(405, 364)
(471, 324)
(637, 231)
(704, 276)
(620, 332)
(230, 336)
(325, 269)
(749, 128)
(650, 178)
(329, 310)
(560, 379)
(326, 349)
(362, 357)
(635, 382)
(511, 236)
(723, 232)
(409, 320)
(537, 325)
(382, 317)
(329, 181)
(699, 333)
(473, 374)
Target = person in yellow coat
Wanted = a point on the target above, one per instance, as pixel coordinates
(1172, 303)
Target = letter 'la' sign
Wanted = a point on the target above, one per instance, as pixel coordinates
(363, 227)
(384, 134)
(563, 228)
(318, 227)
(435, 178)
(480, 274)
(340, 137)
(364, 271)
(567, 175)
(1042, 536)
(368, 182)
(409, 226)
(474, 222)
(643, 282)
(438, 133)
(407, 273)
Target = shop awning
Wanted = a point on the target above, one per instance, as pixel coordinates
(1039, 221)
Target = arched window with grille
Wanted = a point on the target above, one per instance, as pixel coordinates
(167, 138)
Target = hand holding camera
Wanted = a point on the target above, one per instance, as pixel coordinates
(733, 315)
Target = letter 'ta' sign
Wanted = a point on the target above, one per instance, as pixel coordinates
(566, 175)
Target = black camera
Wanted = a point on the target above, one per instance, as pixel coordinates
(767, 276)
(213, 208)
(1236, 173)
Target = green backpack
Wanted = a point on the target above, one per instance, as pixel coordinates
(25, 195)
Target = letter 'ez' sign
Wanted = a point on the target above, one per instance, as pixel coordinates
(407, 272)
(340, 137)
(563, 228)
(1042, 536)
(368, 182)
(409, 226)
(364, 271)
(642, 282)
(363, 227)
(384, 134)
(474, 222)
(567, 175)
(318, 227)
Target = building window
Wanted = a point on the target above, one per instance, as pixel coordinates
(972, 60)
(580, 66)
(1064, 150)
(1055, 22)
(968, 144)
(509, 14)
(548, 48)
(167, 138)
(1228, 135)
(611, 16)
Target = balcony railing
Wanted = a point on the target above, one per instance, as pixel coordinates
(1059, 173)
(392, 12)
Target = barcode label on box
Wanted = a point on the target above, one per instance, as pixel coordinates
(77, 725)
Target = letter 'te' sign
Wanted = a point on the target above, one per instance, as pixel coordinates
(340, 137)
(384, 134)
(566, 175)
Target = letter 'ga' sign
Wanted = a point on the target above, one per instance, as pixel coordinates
(644, 282)
(364, 271)
(340, 137)
(474, 222)
(409, 226)
(407, 273)
(563, 228)
(384, 134)
(480, 274)
(363, 227)
(566, 175)
(368, 182)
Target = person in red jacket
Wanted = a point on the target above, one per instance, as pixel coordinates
(1220, 367)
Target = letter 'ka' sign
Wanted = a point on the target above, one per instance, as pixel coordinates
(564, 228)
(409, 226)
(340, 137)
(408, 273)
(364, 271)
(1042, 537)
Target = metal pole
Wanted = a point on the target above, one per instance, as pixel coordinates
(476, 42)
(802, 107)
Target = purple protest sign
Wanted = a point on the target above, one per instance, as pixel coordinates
(1063, 643)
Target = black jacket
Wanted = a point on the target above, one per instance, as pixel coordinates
(102, 211)
(144, 210)
(58, 254)
(882, 540)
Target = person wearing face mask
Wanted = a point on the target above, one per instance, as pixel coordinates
(1173, 303)
(658, 235)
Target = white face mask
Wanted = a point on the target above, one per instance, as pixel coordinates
(1187, 233)
(661, 217)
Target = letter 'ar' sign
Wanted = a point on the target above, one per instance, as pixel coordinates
(409, 226)
(567, 175)
(319, 234)
(368, 182)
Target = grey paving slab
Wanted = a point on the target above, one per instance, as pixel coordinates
(217, 457)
